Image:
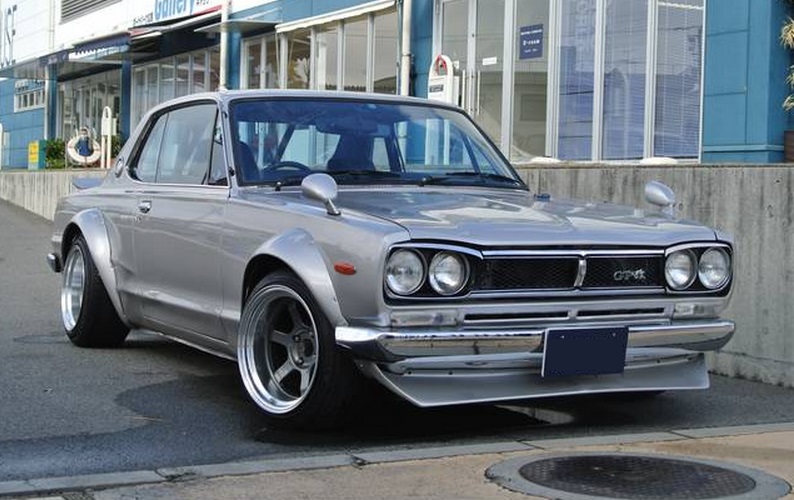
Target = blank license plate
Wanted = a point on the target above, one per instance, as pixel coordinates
(584, 351)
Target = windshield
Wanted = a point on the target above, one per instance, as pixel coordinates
(280, 141)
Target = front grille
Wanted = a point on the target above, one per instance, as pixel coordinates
(628, 272)
(569, 272)
(528, 274)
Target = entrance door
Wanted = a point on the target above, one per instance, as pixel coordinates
(472, 35)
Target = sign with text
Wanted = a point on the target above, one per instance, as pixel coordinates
(530, 45)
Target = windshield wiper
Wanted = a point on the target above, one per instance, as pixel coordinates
(363, 174)
(430, 179)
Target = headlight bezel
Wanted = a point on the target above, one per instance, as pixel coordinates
(697, 287)
(423, 275)
(432, 279)
(427, 252)
(690, 256)
(727, 264)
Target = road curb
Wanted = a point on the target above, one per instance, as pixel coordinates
(41, 486)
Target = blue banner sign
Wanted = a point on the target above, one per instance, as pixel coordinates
(530, 42)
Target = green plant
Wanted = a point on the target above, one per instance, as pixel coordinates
(115, 145)
(54, 153)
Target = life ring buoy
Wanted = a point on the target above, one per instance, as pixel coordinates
(77, 158)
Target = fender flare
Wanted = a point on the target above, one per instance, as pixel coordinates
(91, 224)
(298, 250)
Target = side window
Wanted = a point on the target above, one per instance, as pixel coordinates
(185, 155)
(146, 167)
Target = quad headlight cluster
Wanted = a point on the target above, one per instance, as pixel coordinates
(410, 271)
(706, 268)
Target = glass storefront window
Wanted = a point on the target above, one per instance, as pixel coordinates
(252, 64)
(624, 79)
(299, 59)
(386, 53)
(199, 72)
(356, 35)
(576, 79)
(326, 53)
(530, 80)
(182, 75)
(678, 80)
(215, 68)
(260, 64)
(167, 83)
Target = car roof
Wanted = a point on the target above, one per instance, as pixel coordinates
(226, 96)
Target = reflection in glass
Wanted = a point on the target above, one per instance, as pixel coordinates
(253, 65)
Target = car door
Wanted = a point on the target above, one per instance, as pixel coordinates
(177, 229)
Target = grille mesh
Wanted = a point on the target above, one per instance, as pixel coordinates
(529, 274)
(560, 273)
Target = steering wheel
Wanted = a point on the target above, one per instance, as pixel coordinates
(287, 165)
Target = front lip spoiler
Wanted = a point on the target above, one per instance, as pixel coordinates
(383, 345)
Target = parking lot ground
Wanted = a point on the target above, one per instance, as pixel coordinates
(431, 473)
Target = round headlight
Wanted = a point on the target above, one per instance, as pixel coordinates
(447, 274)
(679, 270)
(405, 272)
(715, 268)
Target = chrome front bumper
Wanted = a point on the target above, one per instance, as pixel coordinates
(389, 346)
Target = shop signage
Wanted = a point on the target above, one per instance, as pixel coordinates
(165, 10)
(530, 42)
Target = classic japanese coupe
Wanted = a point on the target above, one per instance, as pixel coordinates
(323, 238)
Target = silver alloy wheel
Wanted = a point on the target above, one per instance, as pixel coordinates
(277, 349)
(73, 288)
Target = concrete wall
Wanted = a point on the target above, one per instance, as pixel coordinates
(39, 191)
(754, 203)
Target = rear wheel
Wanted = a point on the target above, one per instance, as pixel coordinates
(288, 358)
(88, 315)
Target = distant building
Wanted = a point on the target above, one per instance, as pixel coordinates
(587, 80)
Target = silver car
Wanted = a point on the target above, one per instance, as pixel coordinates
(323, 238)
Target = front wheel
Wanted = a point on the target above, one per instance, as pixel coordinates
(288, 358)
(88, 315)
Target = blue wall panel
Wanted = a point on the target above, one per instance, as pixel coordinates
(744, 81)
(21, 127)
(422, 44)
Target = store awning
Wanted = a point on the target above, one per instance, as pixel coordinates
(112, 41)
(242, 26)
(338, 15)
(156, 30)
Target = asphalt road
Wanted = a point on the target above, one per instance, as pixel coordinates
(156, 403)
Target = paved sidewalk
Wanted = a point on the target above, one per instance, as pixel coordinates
(433, 473)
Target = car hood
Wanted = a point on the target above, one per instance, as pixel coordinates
(507, 217)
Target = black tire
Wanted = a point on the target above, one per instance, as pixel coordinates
(88, 315)
(288, 358)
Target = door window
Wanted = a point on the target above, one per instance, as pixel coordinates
(185, 157)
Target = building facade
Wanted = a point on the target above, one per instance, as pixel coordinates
(579, 80)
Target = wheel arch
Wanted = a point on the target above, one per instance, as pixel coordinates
(296, 251)
(90, 223)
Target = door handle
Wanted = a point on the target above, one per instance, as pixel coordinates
(144, 206)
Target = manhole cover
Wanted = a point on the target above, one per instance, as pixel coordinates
(642, 477)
